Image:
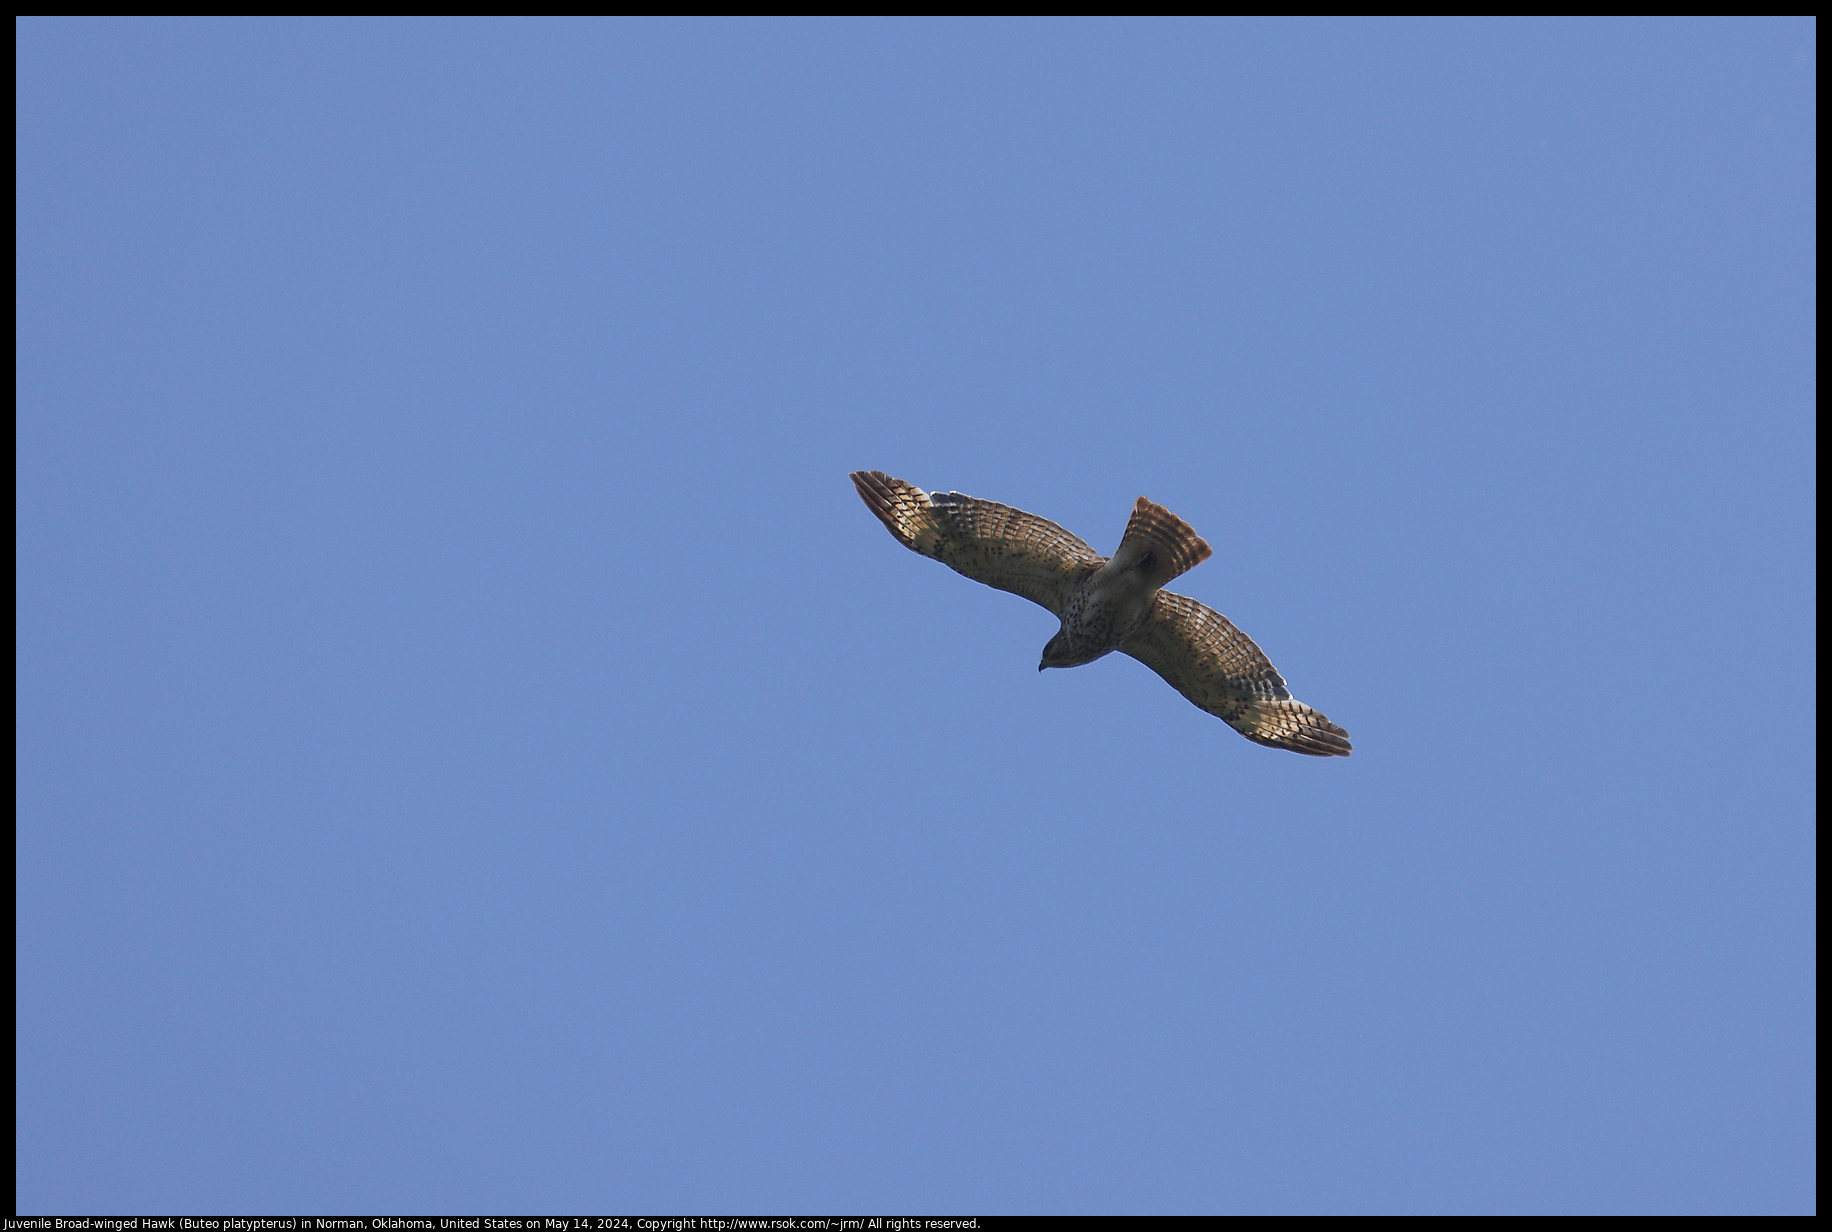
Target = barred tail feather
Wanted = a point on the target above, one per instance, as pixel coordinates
(1161, 543)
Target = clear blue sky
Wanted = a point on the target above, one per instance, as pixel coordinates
(476, 752)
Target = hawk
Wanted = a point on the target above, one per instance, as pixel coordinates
(1110, 603)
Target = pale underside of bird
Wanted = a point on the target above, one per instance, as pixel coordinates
(1110, 603)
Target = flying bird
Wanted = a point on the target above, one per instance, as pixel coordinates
(1110, 603)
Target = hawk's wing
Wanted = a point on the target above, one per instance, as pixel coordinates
(987, 541)
(1216, 666)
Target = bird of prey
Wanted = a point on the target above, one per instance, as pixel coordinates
(1110, 603)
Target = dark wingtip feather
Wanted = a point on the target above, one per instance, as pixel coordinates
(881, 494)
(1317, 738)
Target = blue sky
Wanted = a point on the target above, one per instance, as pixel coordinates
(477, 754)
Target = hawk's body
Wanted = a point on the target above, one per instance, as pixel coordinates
(1109, 604)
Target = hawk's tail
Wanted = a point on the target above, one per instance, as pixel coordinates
(1160, 543)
